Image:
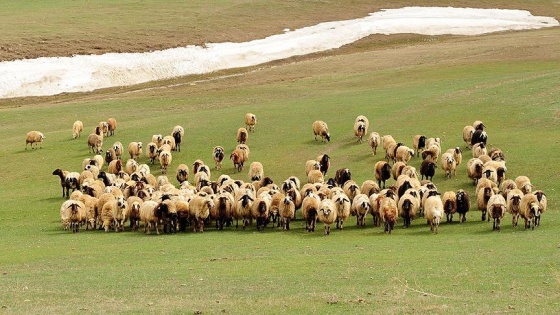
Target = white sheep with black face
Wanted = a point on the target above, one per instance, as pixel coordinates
(321, 129)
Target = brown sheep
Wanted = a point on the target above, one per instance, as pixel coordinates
(530, 210)
(389, 213)
(449, 205)
(320, 128)
(95, 143)
(112, 126)
(238, 159)
(242, 135)
(513, 204)
(250, 122)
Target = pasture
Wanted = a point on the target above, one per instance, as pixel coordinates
(405, 85)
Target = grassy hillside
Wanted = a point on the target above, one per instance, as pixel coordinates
(413, 85)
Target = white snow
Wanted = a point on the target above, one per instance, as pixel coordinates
(54, 75)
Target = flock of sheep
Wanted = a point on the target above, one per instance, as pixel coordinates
(109, 191)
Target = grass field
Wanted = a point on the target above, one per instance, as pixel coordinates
(404, 84)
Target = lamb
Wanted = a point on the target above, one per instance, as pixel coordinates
(165, 159)
(408, 206)
(513, 205)
(449, 205)
(72, 214)
(433, 210)
(463, 204)
(77, 129)
(315, 176)
(388, 212)
(238, 158)
(250, 122)
(496, 209)
(311, 165)
(324, 163)
(428, 169)
(382, 172)
(342, 206)
(320, 128)
(360, 207)
(135, 150)
(374, 140)
(448, 164)
(543, 204)
(419, 143)
(177, 134)
(524, 183)
(342, 176)
(327, 214)
(530, 210)
(218, 156)
(360, 130)
(474, 169)
(199, 210)
(468, 132)
(256, 171)
(223, 209)
(95, 143)
(112, 126)
(479, 149)
(404, 154)
(242, 135)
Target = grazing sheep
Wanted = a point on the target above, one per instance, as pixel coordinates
(374, 140)
(530, 210)
(342, 206)
(238, 159)
(449, 205)
(111, 126)
(95, 143)
(524, 183)
(474, 169)
(77, 129)
(448, 164)
(360, 207)
(428, 169)
(479, 136)
(479, 149)
(135, 150)
(165, 159)
(496, 209)
(419, 143)
(73, 214)
(463, 204)
(311, 165)
(327, 214)
(256, 171)
(513, 204)
(250, 122)
(360, 130)
(242, 135)
(388, 212)
(324, 163)
(404, 154)
(433, 210)
(342, 176)
(199, 210)
(468, 132)
(543, 205)
(218, 156)
(222, 211)
(408, 207)
(382, 172)
(320, 128)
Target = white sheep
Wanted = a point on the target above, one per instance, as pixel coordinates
(165, 159)
(483, 193)
(150, 214)
(287, 210)
(474, 169)
(513, 204)
(131, 166)
(327, 214)
(72, 214)
(530, 210)
(408, 206)
(369, 187)
(433, 211)
(135, 149)
(256, 171)
(448, 164)
(118, 148)
(496, 209)
(320, 128)
(468, 132)
(77, 129)
(177, 134)
(360, 207)
(157, 139)
(479, 149)
(457, 154)
(199, 210)
(311, 165)
(315, 176)
(104, 128)
(342, 206)
(152, 152)
(374, 141)
(524, 183)
(244, 199)
(404, 154)
(260, 210)
(363, 119)
(250, 122)
(222, 211)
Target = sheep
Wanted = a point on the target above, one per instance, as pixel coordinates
(382, 172)
(360, 207)
(199, 210)
(463, 204)
(131, 166)
(388, 212)
(95, 143)
(433, 210)
(118, 149)
(479, 136)
(111, 126)
(468, 132)
(351, 189)
(360, 130)
(250, 122)
(419, 143)
(105, 205)
(513, 202)
(311, 165)
(482, 197)
(530, 210)
(115, 167)
(490, 172)
(201, 179)
(242, 135)
(245, 148)
(390, 153)
(93, 169)
(135, 150)
(428, 169)
(506, 186)
(496, 154)
(134, 204)
(479, 149)
(374, 140)
(218, 156)
(362, 119)
(524, 183)
(177, 134)
(388, 141)
(342, 175)
(110, 155)
(256, 171)
(170, 141)
(369, 187)
(157, 139)
(261, 210)
(287, 210)
(307, 189)
(478, 125)
(408, 206)
(433, 141)
(449, 200)
(72, 214)
(315, 176)
(120, 213)
(182, 173)
(77, 129)
(104, 128)
(242, 207)
(457, 154)
(432, 152)
(223, 209)
(543, 205)
(496, 209)
(404, 154)
(327, 214)
(152, 152)
(165, 159)
(410, 171)
(62, 175)
(320, 128)
(342, 206)
(324, 163)
(238, 159)
(448, 164)
(474, 169)
(151, 214)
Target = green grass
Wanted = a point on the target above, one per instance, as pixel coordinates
(403, 91)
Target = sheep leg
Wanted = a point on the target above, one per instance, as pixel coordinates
(484, 216)
(326, 233)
